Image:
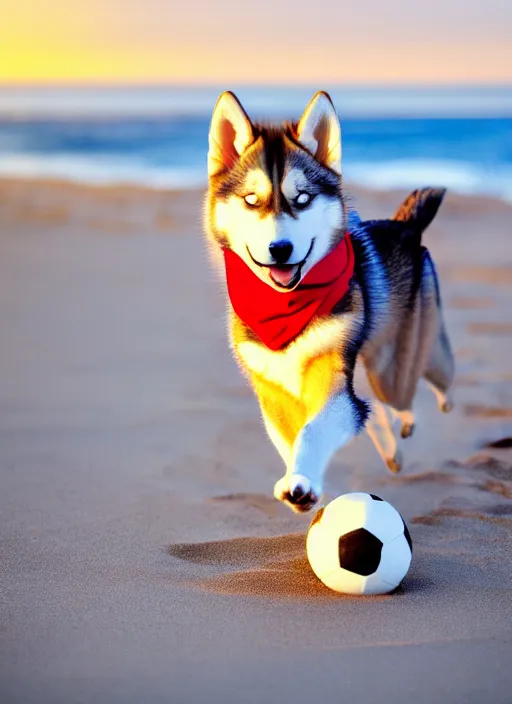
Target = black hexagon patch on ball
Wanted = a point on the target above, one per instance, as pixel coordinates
(407, 535)
(359, 552)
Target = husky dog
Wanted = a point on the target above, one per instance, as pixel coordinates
(313, 289)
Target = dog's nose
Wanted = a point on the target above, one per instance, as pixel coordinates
(281, 251)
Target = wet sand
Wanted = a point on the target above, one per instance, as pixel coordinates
(142, 556)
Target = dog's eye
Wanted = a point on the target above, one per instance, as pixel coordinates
(303, 200)
(251, 199)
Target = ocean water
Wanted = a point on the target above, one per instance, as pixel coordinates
(457, 137)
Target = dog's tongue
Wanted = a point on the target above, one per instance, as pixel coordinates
(283, 275)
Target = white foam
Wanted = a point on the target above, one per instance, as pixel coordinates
(460, 177)
(99, 171)
(457, 176)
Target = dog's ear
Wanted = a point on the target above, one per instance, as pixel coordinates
(231, 132)
(319, 131)
(420, 207)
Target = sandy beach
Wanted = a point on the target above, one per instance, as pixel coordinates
(143, 558)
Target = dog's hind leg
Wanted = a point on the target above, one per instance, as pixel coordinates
(440, 366)
(441, 371)
(379, 427)
(394, 368)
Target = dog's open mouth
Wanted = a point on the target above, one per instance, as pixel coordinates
(286, 275)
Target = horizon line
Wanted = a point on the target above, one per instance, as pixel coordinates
(172, 83)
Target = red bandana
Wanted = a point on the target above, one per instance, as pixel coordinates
(278, 317)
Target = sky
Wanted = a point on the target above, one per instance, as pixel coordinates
(267, 41)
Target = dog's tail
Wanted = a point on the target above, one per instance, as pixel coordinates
(420, 207)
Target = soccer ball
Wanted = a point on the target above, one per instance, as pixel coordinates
(359, 544)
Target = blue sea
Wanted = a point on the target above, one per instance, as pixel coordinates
(459, 137)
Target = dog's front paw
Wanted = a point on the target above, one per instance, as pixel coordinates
(297, 492)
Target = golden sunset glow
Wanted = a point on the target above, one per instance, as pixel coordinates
(137, 41)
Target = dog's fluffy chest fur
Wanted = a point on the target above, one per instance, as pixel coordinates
(294, 384)
(287, 367)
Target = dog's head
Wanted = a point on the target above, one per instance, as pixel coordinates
(274, 192)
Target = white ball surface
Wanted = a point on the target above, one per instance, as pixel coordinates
(359, 544)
